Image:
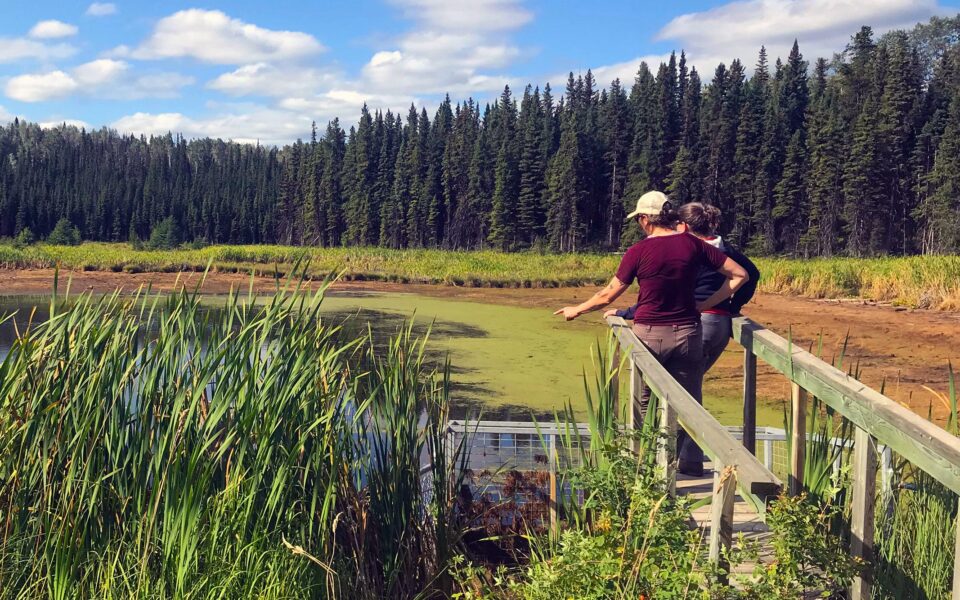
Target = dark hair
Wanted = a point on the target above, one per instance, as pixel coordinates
(702, 219)
(667, 219)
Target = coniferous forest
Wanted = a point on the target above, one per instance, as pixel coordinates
(857, 154)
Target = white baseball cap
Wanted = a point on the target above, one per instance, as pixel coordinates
(650, 204)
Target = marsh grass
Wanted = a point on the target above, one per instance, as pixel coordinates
(918, 281)
(151, 449)
(916, 527)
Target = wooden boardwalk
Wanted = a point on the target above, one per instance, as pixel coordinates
(746, 521)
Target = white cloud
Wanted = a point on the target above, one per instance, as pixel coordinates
(435, 62)
(453, 48)
(822, 27)
(344, 103)
(449, 49)
(52, 29)
(41, 86)
(214, 37)
(246, 124)
(157, 85)
(265, 79)
(478, 15)
(14, 49)
(101, 9)
(55, 123)
(5, 116)
(99, 72)
(101, 78)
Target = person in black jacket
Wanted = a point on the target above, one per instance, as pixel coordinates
(703, 221)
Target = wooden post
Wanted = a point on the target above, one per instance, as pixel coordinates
(862, 510)
(956, 563)
(721, 518)
(554, 496)
(634, 416)
(615, 383)
(666, 450)
(768, 454)
(799, 439)
(750, 401)
(886, 480)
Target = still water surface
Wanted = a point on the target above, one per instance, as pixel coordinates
(508, 362)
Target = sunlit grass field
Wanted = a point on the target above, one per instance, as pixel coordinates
(919, 281)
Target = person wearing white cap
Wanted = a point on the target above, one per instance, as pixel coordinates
(666, 264)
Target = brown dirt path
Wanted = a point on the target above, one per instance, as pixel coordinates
(901, 349)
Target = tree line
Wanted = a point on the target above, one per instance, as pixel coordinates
(857, 155)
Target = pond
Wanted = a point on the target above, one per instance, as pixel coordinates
(508, 362)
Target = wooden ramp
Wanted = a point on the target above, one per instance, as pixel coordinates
(745, 520)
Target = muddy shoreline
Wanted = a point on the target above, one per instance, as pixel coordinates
(904, 351)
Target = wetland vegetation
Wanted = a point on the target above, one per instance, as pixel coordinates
(922, 282)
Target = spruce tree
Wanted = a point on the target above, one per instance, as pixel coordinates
(503, 217)
(617, 128)
(938, 214)
(566, 188)
(531, 169)
(823, 236)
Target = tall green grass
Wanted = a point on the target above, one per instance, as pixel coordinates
(920, 281)
(916, 528)
(150, 448)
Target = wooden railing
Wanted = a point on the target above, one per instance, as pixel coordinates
(878, 420)
(734, 466)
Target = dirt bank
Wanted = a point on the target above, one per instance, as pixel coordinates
(902, 350)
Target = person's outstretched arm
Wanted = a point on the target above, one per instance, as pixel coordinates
(736, 277)
(598, 300)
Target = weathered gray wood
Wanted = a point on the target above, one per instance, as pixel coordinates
(554, 509)
(615, 381)
(756, 482)
(956, 563)
(721, 519)
(667, 448)
(798, 437)
(862, 510)
(750, 401)
(911, 436)
(634, 416)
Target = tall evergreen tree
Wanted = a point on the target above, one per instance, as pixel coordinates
(503, 218)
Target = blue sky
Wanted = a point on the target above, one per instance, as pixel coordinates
(262, 71)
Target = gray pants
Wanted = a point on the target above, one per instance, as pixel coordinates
(679, 348)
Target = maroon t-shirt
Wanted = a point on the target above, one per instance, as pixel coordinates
(666, 268)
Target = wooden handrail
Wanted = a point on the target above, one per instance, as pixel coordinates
(923, 443)
(756, 483)
(876, 417)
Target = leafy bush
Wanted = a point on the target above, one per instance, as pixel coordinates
(807, 556)
(64, 234)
